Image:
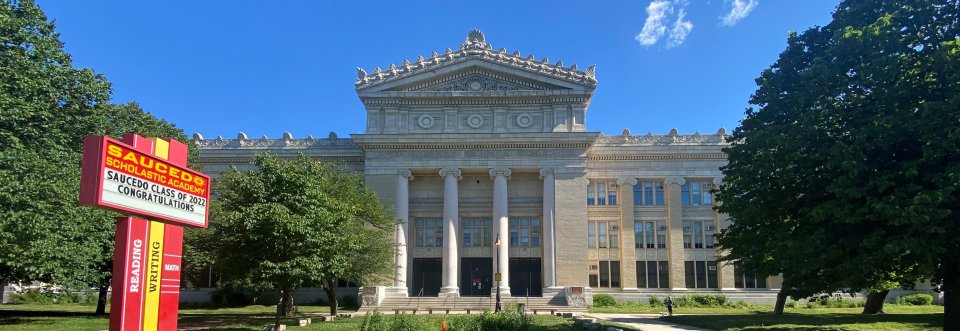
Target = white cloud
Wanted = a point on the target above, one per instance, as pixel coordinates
(654, 27)
(740, 9)
(681, 28)
(659, 16)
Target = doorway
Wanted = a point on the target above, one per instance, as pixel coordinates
(476, 276)
(525, 277)
(426, 277)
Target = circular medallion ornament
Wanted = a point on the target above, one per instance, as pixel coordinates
(524, 121)
(474, 121)
(425, 122)
(475, 85)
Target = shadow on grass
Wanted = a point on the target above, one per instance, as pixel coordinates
(794, 321)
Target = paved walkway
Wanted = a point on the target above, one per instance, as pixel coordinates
(644, 322)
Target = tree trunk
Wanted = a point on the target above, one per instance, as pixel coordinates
(781, 301)
(331, 289)
(3, 286)
(951, 296)
(102, 300)
(289, 309)
(276, 323)
(874, 303)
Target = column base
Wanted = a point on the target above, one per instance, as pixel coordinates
(449, 292)
(504, 292)
(552, 291)
(630, 289)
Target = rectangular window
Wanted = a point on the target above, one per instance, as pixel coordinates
(602, 193)
(591, 234)
(428, 232)
(476, 232)
(590, 195)
(614, 273)
(638, 234)
(664, 271)
(604, 274)
(708, 234)
(602, 234)
(652, 274)
(614, 235)
(701, 274)
(696, 192)
(661, 235)
(689, 275)
(594, 282)
(697, 234)
(744, 279)
(649, 226)
(525, 232)
(648, 193)
(641, 274)
(712, 274)
(687, 234)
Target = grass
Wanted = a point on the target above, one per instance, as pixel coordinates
(760, 317)
(77, 317)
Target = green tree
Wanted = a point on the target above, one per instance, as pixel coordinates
(846, 174)
(300, 222)
(46, 107)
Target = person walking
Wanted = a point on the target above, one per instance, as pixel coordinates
(669, 303)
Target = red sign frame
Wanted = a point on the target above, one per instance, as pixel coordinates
(94, 166)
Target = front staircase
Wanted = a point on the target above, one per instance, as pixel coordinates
(470, 305)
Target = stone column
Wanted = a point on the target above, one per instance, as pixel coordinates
(549, 224)
(628, 252)
(675, 230)
(404, 176)
(501, 222)
(451, 215)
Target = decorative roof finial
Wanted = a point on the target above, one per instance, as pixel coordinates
(591, 71)
(361, 74)
(476, 36)
(197, 136)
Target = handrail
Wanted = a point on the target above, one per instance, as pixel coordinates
(419, 297)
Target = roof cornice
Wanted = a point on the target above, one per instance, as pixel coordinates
(476, 47)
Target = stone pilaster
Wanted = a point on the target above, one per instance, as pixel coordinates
(675, 231)
(404, 176)
(628, 254)
(502, 223)
(549, 224)
(725, 273)
(451, 215)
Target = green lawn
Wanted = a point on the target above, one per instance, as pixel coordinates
(760, 317)
(76, 317)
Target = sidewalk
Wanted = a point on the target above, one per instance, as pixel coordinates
(644, 322)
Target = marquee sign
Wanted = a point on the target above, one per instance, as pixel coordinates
(117, 176)
(147, 178)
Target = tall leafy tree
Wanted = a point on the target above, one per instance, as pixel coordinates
(846, 172)
(300, 222)
(46, 107)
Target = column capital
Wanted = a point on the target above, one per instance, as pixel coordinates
(674, 180)
(627, 181)
(544, 172)
(718, 181)
(405, 173)
(505, 172)
(455, 172)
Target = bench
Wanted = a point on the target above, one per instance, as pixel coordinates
(552, 311)
(399, 310)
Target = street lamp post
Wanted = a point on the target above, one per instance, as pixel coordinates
(497, 276)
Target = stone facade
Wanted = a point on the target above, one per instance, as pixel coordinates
(476, 144)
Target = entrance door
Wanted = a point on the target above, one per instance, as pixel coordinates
(426, 277)
(476, 275)
(525, 277)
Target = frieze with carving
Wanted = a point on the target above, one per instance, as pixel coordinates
(673, 138)
(274, 143)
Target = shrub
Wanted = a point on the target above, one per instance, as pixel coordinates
(374, 321)
(408, 322)
(655, 301)
(919, 299)
(838, 302)
(791, 304)
(32, 296)
(604, 300)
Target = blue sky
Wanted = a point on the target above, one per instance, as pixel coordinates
(265, 67)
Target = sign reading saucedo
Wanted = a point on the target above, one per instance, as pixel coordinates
(118, 177)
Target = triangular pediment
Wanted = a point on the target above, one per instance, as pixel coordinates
(477, 80)
(497, 70)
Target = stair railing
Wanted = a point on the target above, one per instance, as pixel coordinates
(419, 297)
